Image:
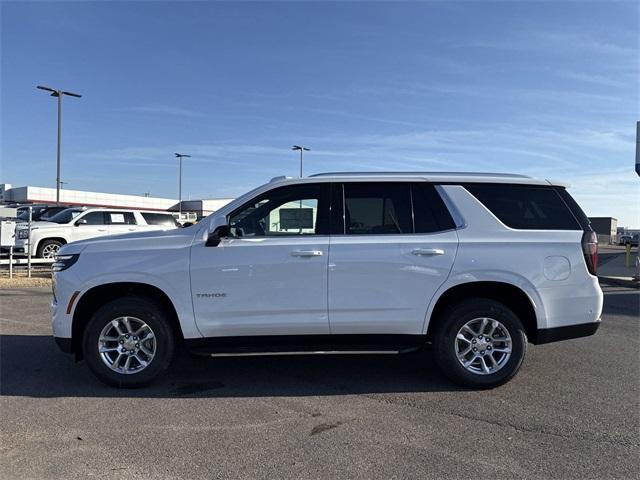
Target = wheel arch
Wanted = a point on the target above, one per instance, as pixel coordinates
(38, 243)
(97, 296)
(508, 294)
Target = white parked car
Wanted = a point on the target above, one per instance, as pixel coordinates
(477, 265)
(80, 223)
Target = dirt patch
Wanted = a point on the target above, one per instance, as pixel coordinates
(24, 282)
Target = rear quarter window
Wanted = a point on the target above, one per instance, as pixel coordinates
(159, 219)
(526, 207)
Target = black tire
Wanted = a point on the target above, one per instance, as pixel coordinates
(150, 314)
(454, 318)
(48, 244)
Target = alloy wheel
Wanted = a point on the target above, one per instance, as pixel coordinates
(127, 345)
(50, 251)
(483, 346)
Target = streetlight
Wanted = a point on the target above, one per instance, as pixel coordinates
(180, 156)
(58, 94)
(302, 149)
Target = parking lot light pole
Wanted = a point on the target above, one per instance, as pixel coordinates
(58, 93)
(180, 156)
(302, 150)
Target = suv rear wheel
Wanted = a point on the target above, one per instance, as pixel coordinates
(128, 342)
(480, 343)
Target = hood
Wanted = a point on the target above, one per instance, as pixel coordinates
(155, 239)
(38, 224)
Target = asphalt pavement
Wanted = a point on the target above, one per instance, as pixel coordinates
(572, 412)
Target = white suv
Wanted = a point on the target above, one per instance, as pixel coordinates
(476, 265)
(79, 223)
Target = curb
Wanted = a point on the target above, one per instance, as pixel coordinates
(623, 282)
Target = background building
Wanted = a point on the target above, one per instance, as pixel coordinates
(606, 228)
(201, 208)
(31, 195)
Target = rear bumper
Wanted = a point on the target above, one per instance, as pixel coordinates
(548, 335)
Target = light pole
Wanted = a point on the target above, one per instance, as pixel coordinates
(180, 156)
(58, 94)
(302, 150)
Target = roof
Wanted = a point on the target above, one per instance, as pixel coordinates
(420, 174)
(444, 177)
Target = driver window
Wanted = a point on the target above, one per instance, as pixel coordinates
(94, 218)
(292, 210)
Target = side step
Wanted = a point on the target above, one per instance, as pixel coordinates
(305, 345)
(316, 352)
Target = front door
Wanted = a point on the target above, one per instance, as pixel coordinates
(90, 225)
(270, 278)
(395, 248)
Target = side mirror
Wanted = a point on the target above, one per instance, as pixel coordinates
(220, 232)
(82, 221)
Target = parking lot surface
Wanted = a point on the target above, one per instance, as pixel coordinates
(572, 412)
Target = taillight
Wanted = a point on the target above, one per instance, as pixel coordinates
(590, 250)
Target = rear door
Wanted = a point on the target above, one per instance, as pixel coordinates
(121, 222)
(394, 246)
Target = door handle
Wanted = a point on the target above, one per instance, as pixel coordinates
(102, 229)
(428, 251)
(306, 253)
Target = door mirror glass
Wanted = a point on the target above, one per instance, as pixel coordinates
(82, 221)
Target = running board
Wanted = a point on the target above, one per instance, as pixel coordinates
(318, 352)
(306, 345)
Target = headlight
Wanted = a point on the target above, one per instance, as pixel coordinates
(64, 261)
(22, 234)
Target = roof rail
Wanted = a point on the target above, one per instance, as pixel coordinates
(279, 178)
(461, 174)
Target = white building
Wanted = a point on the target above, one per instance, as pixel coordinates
(30, 194)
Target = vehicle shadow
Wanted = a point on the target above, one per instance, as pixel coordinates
(32, 365)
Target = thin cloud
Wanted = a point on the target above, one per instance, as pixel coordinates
(550, 41)
(595, 79)
(164, 110)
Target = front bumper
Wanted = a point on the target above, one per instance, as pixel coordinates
(548, 335)
(64, 344)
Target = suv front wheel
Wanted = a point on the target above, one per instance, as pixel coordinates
(128, 342)
(480, 343)
(49, 248)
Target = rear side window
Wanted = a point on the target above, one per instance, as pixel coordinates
(377, 208)
(526, 207)
(121, 218)
(159, 219)
(429, 211)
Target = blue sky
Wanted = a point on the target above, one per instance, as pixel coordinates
(542, 88)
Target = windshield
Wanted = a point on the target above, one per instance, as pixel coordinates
(65, 216)
(35, 213)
